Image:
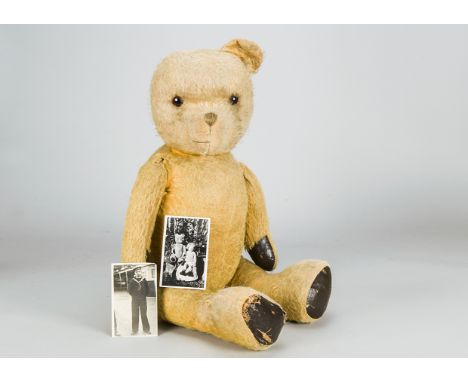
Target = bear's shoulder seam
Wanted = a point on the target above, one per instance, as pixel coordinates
(159, 156)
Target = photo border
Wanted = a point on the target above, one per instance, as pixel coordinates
(207, 251)
(154, 333)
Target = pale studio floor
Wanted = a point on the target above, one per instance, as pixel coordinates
(395, 298)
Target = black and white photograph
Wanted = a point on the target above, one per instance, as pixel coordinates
(184, 255)
(134, 304)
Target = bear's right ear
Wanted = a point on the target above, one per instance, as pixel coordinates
(249, 52)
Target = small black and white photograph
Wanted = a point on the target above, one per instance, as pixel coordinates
(134, 304)
(184, 256)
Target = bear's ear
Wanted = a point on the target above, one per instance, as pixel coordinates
(249, 52)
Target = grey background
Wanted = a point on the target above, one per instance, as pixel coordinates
(359, 137)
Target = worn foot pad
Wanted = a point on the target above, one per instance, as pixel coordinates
(264, 318)
(319, 294)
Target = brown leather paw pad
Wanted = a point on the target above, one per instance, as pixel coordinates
(319, 294)
(264, 318)
(262, 254)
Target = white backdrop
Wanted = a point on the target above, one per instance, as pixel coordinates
(366, 126)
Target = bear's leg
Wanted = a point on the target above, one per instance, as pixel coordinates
(238, 314)
(302, 289)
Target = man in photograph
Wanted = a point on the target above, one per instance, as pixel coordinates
(138, 289)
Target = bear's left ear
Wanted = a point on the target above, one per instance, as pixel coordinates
(249, 52)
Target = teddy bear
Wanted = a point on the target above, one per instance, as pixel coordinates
(201, 103)
(178, 249)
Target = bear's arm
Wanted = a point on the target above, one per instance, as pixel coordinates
(145, 200)
(258, 241)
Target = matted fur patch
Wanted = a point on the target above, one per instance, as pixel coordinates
(184, 255)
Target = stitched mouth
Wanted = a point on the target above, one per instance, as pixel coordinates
(200, 141)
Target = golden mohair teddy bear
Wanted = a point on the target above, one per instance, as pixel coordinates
(201, 104)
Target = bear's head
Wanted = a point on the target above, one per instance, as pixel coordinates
(202, 100)
(179, 238)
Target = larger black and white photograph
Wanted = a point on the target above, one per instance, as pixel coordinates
(134, 305)
(184, 256)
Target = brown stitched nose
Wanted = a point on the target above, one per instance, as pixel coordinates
(210, 118)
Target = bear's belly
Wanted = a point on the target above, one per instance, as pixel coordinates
(209, 187)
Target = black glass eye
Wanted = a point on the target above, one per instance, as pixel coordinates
(233, 99)
(177, 101)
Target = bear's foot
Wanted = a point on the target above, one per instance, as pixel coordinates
(302, 290)
(240, 315)
(264, 318)
(319, 294)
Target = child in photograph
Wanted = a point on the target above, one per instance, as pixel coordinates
(189, 268)
(138, 289)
